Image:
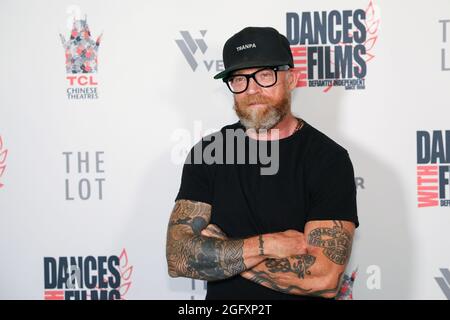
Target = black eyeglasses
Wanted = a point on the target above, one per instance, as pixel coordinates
(266, 77)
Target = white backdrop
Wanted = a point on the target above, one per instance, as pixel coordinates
(152, 107)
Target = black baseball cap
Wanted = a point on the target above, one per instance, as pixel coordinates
(254, 47)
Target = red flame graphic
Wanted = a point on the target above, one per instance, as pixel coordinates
(3, 155)
(371, 23)
(126, 271)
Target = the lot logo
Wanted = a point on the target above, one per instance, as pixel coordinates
(85, 175)
(433, 168)
(190, 46)
(3, 155)
(81, 53)
(445, 56)
(332, 48)
(87, 278)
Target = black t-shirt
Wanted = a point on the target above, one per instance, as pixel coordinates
(314, 181)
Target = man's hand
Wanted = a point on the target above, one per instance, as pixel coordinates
(284, 244)
(198, 250)
(316, 273)
(317, 268)
(276, 245)
(193, 255)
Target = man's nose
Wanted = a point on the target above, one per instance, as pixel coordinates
(253, 87)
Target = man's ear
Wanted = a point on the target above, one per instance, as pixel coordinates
(292, 80)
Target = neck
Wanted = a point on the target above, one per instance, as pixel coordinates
(283, 129)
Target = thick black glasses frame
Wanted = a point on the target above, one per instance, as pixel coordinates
(252, 76)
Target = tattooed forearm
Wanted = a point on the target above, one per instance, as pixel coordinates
(335, 241)
(268, 280)
(213, 259)
(268, 273)
(191, 255)
(191, 214)
(317, 273)
(265, 279)
(330, 292)
(300, 265)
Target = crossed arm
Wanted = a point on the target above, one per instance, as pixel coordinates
(285, 261)
(317, 272)
(193, 255)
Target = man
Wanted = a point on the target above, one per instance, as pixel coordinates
(286, 235)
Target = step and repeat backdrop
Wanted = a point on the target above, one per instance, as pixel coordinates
(100, 102)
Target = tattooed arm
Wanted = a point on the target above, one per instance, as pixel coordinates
(316, 273)
(192, 254)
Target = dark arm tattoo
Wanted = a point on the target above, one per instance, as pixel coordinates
(191, 255)
(300, 265)
(261, 245)
(217, 232)
(269, 278)
(265, 279)
(278, 274)
(336, 242)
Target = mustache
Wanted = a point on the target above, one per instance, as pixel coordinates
(249, 100)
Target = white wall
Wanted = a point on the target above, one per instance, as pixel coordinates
(148, 94)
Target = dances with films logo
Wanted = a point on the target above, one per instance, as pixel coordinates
(87, 278)
(332, 48)
(433, 168)
(81, 52)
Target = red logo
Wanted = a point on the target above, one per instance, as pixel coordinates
(125, 274)
(322, 58)
(87, 277)
(81, 52)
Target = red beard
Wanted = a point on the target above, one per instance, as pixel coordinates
(261, 117)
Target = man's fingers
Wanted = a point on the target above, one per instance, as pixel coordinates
(206, 233)
(218, 232)
(216, 229)
(210, 233)
(213, 231)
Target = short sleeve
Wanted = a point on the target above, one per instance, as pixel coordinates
(332, 189)
(196, 182)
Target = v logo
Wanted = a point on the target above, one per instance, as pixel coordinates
(444, 282)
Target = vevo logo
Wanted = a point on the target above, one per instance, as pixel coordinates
(190, 46)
